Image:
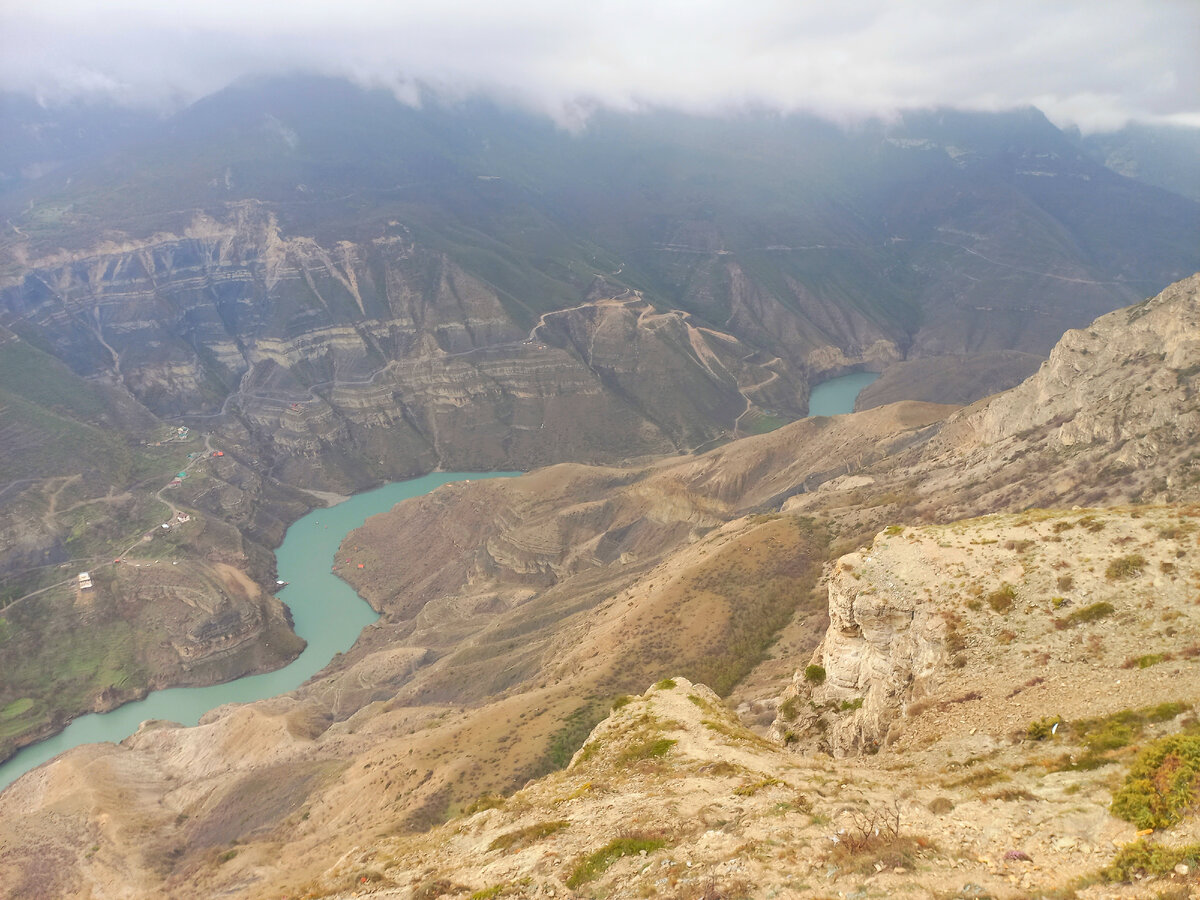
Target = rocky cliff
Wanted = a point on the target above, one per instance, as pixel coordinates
(516, 611)
(351, 363)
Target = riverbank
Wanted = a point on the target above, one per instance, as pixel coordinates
(325, 610)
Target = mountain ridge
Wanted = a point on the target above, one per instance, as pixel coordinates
(680, 537)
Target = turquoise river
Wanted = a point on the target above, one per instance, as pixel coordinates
(327, 612)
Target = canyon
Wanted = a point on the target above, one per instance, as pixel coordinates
(590, 582)
(232, 321)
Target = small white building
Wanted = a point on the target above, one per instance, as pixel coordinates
(85, 581)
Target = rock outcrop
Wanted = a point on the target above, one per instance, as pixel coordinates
(358, 362)
(515, 610)
(884, 648)
(1128, 379)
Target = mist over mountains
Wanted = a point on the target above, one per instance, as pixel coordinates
(301, 286)
(911, 214)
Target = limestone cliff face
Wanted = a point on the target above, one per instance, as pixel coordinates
(883, 649)
(1110, 417)
(813, 333)
(1127, 378)
(351, 363)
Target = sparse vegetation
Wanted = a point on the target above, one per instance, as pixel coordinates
(940, 805)
(1145, 661)
(814, 674)
(759, 593)
(1001, 600)
(1163, 783)
(650, 748)
(1093, 612)
(873, 841)
(524, 837)
(789, 708)
(751, 788)
(738, 733)
(1143, 857)
(1042, 729)
(1103, 735)
(1125, 567)
(570, 737)
(595, 864)
(487, 801)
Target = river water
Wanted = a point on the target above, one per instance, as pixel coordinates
(327, 611)
(837, 395)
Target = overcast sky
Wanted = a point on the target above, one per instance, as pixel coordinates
(1093, 63)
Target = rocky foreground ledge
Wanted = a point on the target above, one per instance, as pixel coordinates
(1003, 676)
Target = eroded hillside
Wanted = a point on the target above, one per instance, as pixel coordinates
(1004, 672)
(470, 288)
(516, 610)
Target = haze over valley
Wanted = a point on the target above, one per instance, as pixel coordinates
(718, 639)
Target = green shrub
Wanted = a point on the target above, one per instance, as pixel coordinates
(1113, 735)
(814, 674)
(595, 864)
(651, 748)
(1043, 728)
(1150, 659)
(788, 708)
(1125, 567)
(667, 684)
(523, 837)
(622, 701)
(1163, 783)
(486, 801)
(1103, 734)
(570, 737)
(1001, 599)
(849, 705)
(752, 788)
(1164, 712)
(1090, 613)
(1142, 858)
(893, 530)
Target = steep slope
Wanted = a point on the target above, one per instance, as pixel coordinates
(672, 796)
(85, 468)
(1161, 155)
(1001, 723)
(343, 290)
(489, 666)
(1111, 417)
(349, 364)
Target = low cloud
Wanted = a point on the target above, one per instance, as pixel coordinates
(1089, 63)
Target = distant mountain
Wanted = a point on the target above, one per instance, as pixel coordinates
(943, 232)
(339, 290)
(1164, 156)
(519, 613)
(38, 140)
